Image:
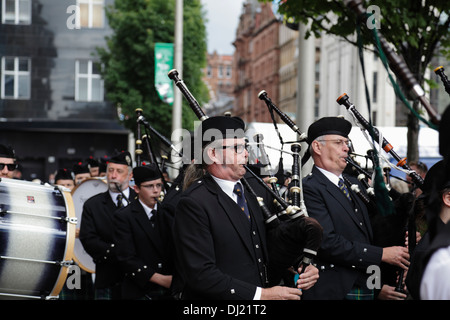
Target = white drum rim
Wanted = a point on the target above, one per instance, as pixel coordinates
(70, 243)
(75, 258)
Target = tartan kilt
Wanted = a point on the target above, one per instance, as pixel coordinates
(357, 293)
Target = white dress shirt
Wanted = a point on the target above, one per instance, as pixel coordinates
(147, 209)
(435, 284)
(114, 195)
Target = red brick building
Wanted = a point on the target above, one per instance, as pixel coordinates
(256, 61)
(219, 75)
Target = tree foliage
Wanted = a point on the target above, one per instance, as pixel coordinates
(415, 28)
(128, 60)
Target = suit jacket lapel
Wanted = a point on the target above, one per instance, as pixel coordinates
(336, 193)
(362, 207)
(231, 209)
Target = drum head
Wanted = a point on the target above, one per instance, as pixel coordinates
(37, 232)
(85, 190)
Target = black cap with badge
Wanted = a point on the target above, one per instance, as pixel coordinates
(146, 173)
(7, 152)
(329, 125)
(220, 127)
(123, 157)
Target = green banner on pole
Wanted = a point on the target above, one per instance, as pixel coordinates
(163, 64)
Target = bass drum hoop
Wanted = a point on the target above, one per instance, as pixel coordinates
(84, 265)
(70, 243)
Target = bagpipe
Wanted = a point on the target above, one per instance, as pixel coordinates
(296, 188)
(144, 139)
(389, 227)
(377, 137)
(440, 72)
(397, 65)
(291, 242)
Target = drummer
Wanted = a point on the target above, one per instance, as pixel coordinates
(7, 161)
(65, 179)
(81, 172)
(94, 166)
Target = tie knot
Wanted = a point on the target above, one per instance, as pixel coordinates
(238, 189)
(152, 215)
(119, 200)
(344, 188)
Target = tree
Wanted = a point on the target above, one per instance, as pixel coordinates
(415, 28)
(128, 60)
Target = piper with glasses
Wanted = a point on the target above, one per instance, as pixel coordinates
(347, 250)
(219, 230)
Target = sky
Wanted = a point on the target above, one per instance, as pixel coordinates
(223, 19)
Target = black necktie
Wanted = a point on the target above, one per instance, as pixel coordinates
(119, 201)
(242, 203)
(153, 217)
(344, 189)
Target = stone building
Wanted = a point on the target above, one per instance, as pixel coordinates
(52, 105)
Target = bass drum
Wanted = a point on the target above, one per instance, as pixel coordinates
(86, 189)
(37, 235)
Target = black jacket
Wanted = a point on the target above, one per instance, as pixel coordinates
(141, 251)
(97, 238)
(220, 254)
(346, 249)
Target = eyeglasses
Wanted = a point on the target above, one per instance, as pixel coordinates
(10, 166)
(238, 148)
(339, 142)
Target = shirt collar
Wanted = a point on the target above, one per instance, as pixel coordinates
(147, 209)
(331, 176)
(114, 195)
(227, 186)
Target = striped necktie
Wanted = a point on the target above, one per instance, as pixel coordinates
(241, 199)
(119, 201)
(344, 189)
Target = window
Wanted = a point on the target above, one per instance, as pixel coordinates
(228, 72)
(375, 87)
(16, 11)
(220, 74)
(16, 77)
(91, 13)
(88, 81)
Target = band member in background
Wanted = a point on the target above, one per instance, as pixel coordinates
(221, 245)
(94, 166)
(81, 172)
(97, 227)
(7, 162)
(65, 179)
(346, 249)
(102, 167)
(140, 247)
(422, 170)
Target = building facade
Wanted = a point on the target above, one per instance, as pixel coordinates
(256, 61)
(219, 78)
(340, 72)
(53, 110)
